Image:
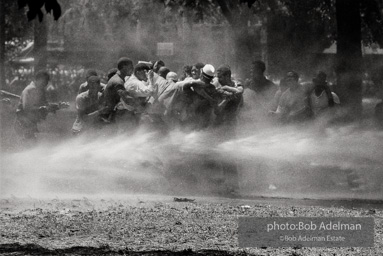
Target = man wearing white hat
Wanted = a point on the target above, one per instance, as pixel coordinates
(187, 102)
(204, 99)
(208, 91)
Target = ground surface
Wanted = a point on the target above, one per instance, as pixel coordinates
(156, 225)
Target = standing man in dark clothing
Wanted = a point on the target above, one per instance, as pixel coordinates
(115, 89)
(259, 83)
(226, 119)
(261, 89)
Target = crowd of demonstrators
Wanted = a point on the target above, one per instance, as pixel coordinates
(148, 94)
(294, 102)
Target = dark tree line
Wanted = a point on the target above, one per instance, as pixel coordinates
(306, 24)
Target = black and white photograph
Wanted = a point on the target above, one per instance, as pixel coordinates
(191, 127)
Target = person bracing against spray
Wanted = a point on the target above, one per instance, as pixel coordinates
(34, 107)
(88, 105)
(231, 91)
(321, 97)
(294, 104)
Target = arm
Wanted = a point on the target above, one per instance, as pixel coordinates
(281, 111)
(80, 106)
(94, 113)
(235, 90)
(122, 92)
(191, 83)
(139, 89)
(275, 102)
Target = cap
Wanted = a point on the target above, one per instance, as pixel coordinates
(172, 75)
(208, 71)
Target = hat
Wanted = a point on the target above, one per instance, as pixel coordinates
(208, 71)
(172, 76)
(292, 75)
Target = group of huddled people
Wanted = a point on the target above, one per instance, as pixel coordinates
(149, 94)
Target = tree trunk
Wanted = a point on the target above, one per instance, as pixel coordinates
(349, 56)
(239, 34)
(40, 50)
(2, 45)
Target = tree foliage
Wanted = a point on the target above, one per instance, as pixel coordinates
(34, 8)
(309, 21)
(16, 24)
(17, 29)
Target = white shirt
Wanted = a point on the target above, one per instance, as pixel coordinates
(138, 88)
(318, 103)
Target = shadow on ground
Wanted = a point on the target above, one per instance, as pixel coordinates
(32, 249)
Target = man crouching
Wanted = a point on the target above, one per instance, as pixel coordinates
(87, 105)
